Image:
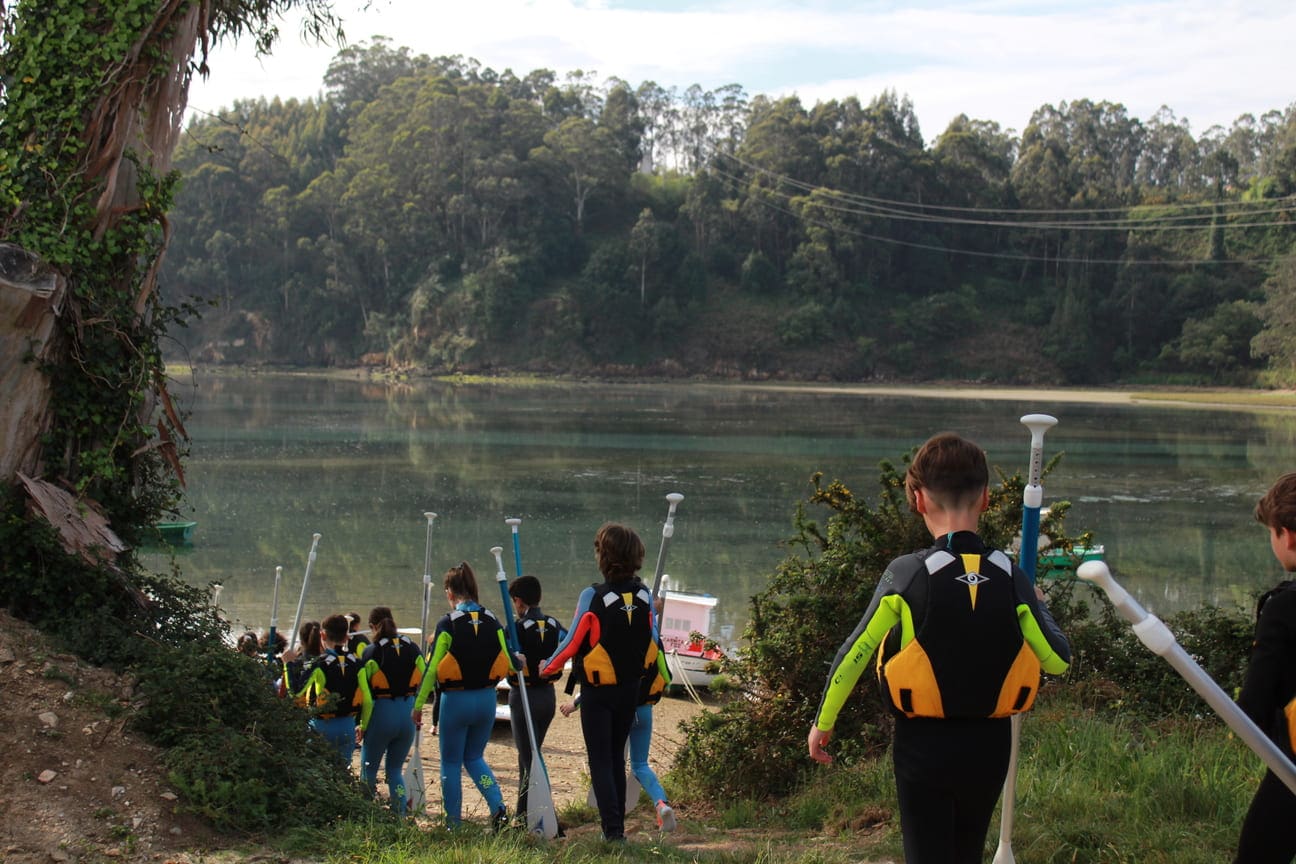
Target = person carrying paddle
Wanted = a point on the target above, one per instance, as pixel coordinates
(469, 657)
(962, 636)
(650, 693)
(539, 636)
(299, 661)
(393, 669)
(357, 640)
(614, 649)
(1269, 690)
(333, 689)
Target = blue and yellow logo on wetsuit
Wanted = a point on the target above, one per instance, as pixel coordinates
(539, 638)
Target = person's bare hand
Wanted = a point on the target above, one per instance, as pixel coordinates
(817, 739)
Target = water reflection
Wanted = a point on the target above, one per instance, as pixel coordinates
(1169, 491)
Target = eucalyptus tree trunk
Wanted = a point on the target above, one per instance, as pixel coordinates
(93, 100)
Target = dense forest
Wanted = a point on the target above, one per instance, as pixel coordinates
(435, 214)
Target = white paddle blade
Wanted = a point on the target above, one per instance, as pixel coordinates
(632, 792)
(541, 818)
(417, 795)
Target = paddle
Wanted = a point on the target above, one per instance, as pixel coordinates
(301, 600)
(1027, 553)
(274, 617)
(418, 786)
(1153, 633)
(668, 531)
(540, 815)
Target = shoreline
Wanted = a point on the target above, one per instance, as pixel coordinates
(1208, 398)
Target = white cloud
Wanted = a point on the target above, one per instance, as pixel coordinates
(1209, 62)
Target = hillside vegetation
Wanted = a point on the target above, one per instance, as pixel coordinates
(435, 213)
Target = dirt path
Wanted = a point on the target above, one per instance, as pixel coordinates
(564, 755)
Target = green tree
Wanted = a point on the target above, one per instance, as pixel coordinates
(92, 93)
(1276, 340)
(1217, 344)
(644, 243)
(358, 72)
(581, 157)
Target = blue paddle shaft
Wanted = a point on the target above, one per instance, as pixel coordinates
(1030, 541)
(1033, 494)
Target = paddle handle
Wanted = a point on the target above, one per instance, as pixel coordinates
(1153, 633)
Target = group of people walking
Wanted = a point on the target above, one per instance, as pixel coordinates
(961, 633)
(370, 689)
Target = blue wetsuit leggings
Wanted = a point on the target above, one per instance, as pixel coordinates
(340, 732)
(464, 726)
(640, 738)
(390, 736)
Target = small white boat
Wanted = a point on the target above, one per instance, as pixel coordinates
(686, 615)
(688, 666)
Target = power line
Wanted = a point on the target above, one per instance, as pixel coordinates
(826, 198)
(1280, 205)
(1008, 256)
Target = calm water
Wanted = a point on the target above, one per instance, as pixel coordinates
(1169, 491)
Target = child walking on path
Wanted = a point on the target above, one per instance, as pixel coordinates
(469, 657)
(392, 667)
(333, 690)
(1269, 689)
(614, 648)
(539, 635)
(963, 636)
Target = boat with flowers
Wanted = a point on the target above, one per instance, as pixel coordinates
(686, 623)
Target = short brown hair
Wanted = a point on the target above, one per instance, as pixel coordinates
(950, 469)
(1277, 509)
(461, 582)
(620, 551)
(337, 628)
(526, 589)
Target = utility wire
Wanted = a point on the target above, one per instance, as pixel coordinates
(1279, 205)
(825, 198)
(1010, 256)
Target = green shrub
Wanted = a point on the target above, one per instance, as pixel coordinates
(812, 602)
(102, 612)
(242, 757)
(1123, 674)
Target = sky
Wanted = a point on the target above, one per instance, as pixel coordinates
(997, 60)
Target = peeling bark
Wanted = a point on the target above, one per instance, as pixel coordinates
(83, 529)
(31, 300)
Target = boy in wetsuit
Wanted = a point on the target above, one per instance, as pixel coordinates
(539, 635)
(1269, 690)
(963, 636)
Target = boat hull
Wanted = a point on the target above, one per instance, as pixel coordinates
(177, 533)
(689, 668)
